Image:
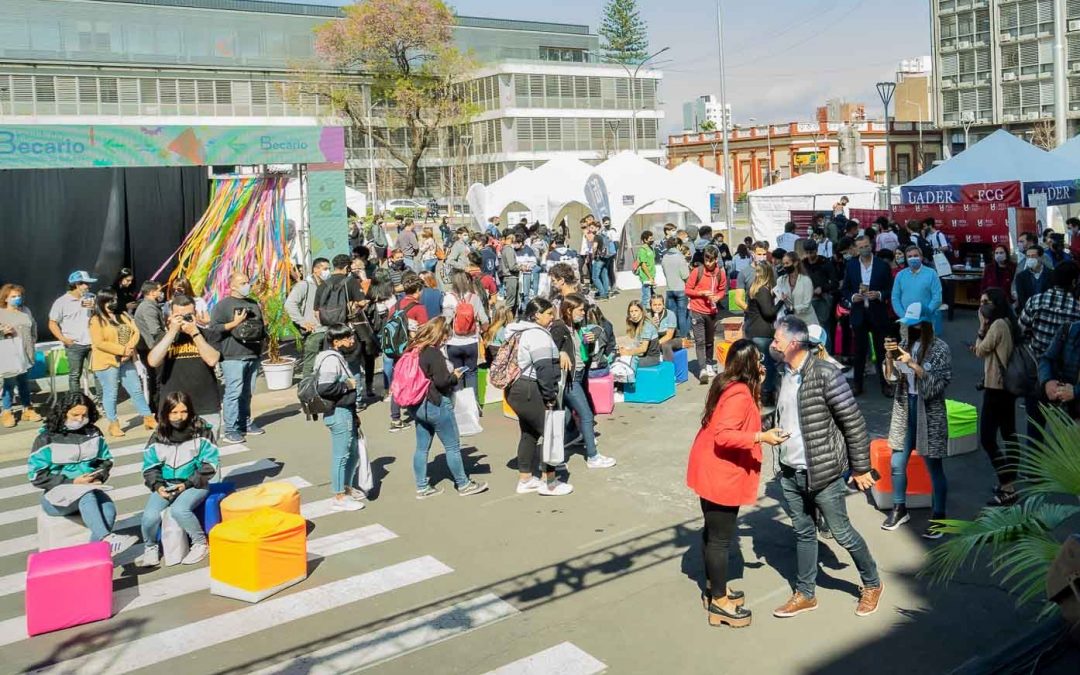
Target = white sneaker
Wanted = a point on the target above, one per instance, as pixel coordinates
(345, 504)
(118, 543)
(195, 555)
(711, 369)
(151, 556)
(600, 462)
(534, 484)
(355, 494)
(555, 489)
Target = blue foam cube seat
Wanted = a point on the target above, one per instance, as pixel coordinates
(654, 384)
(681, 361)
(209, 512)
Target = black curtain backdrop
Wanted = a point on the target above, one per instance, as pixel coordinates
(56, 221)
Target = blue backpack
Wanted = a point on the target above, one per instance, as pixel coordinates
(394, 336)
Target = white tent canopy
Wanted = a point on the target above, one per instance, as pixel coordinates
(1001, 157)
(1069, 151)
(634, 182)
(516, 186)
(698, 177)
(770, 206)
(558, 183)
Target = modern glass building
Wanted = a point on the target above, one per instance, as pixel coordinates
(540, 91)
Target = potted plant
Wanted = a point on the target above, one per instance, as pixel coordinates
(278, 369)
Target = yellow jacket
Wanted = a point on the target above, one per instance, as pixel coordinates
(106, 346)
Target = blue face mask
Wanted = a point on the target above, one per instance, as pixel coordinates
(914, 263)
(17, 301)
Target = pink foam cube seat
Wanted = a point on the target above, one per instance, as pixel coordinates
(68, 587)
(602, 393)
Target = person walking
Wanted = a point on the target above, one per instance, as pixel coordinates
(645, 263)
(350, 470)
(706, 287)
(17, 323)
(238, 320)
(113, 337)
(300, 306)
(179, 462)
(676, 272)
(813, 460)
(865, 292)
(466, 317)
(434, 414)
(997, 337)
(758, 321)
(69, 323)
(185, 360)
(922, 367)
(70, 451)
(533, 393)
(724, 470)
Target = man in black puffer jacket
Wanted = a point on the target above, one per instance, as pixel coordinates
(825, 436)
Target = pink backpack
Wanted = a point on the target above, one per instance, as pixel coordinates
(409, 385)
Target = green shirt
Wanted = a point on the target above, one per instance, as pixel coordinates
(646, 258)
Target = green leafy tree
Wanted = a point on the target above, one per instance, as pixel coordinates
(707, 125)
(624, 34)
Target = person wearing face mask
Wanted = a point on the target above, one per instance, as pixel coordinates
(759, 254)
(1033, 279)
(864, 294)
(916, 283)
(706, 287)
(185, 360)
(300, 306)
(921, 366)
(1072, 226)
(150, 320)
(1000, 272)
(795, 290)
(113, 338)
(70, 453)
(676, 272)
(1057, 251)
(998, 335)
(824, 244)
(179, 461)
(16, 322)
(239, 321)
(825, 281)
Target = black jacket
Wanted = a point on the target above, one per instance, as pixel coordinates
(822, 275)
(443, 380)
(833, 429)
(1027, 287)
(881, 280)
(761, 311)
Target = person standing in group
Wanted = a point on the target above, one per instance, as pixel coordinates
(795, 290)
(676, 272)
(409, 245)
(916, 283)
(824, 281)
(706, 287)
(1059, 370)
(69, 322)
(113, 337)
(434, 414)
(813, 460)
(864, 293)
(379, 243)
(18, 323)
(528, 270)
(610, 252)
(724, 470)
(595, 249)
(466, 317)
(533, 393)
(758, 320)
(179, 462)
(788, 239)
(300, 306)
(886, 238)
(350, 470)
(922, 367)
(999, 273)
(182, 286)
(123, 286)
(508, 271)
(646, 267)
(412, 312)
(428, 251)
(998, 335)
(70, 450)
(185, 360)
(1034, 279)
(238, 321)
(458, 257)
(150, 320)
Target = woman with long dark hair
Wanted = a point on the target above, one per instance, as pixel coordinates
(127, 292)
(998, 335)
(350, 470)
(113, 338)
(1000, 272)
(724, 470)
(178, 463)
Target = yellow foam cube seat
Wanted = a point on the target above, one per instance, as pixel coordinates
(275, 495)
(258, 554)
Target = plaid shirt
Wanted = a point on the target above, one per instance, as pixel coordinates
(1062, 360)
(1044, 316)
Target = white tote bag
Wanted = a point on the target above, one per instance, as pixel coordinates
(942, 265)
(467, 412)
(554, 434)
(13, 359)
(364, 478)
(174, 541)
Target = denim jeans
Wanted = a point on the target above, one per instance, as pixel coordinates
(801, 504)
(529, 284)
(429, 265)
(677, 302)
(97, 510)
(78, 357)
(344, 449)
(239, 376)
(599, 279)
(110, 380)
(467, 357)
(183, 512)
(646, 294)
(388, 373)
(762, 344)
(437, 420)
(22, 381)
(939, 485)
(575, 398)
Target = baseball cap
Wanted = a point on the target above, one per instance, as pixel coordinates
(914, 315)
(817, 335)
(79, 277)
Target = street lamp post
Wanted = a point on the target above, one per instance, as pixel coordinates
(728, 204)
(371, 155)
(967, 118)
(919, 123)
(886, 90)
(632, 79)
(466, 140)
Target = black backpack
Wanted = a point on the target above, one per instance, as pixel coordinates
(307, 392)
(334, 307)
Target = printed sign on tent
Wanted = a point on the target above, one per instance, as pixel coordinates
(1057, 192)
(1007, 193)
(596, 195)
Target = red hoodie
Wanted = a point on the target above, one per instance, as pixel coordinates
(702, 281)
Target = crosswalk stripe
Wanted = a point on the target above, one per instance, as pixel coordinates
(18, 545)
(30, 512)
(199, 636)
(564, 658)
(20, 470)
(16, 583)
(177, 585)
(399, 639)
(28, 488)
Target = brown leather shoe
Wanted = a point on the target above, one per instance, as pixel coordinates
(798, 604)
(149, 422)
(115, 431)
(29, 415)
(868, 600)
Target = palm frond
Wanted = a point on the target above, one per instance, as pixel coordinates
(1022, 565)
(1050, 465)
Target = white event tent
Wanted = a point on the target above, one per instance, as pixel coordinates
(998, 158)
(770, 207)
(560, 185)
(516, 187)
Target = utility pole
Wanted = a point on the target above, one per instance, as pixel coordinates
(728, 203)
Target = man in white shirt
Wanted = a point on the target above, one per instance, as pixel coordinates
(69, 322)
(787, 240)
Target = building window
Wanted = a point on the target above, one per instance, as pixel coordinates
(562, 54)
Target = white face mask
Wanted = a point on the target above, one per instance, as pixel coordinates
(1000, 257)
(245, 290)
(76, 424)
(324, 275)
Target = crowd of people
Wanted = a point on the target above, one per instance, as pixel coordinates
(429, 311)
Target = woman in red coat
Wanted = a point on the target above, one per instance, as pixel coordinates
(999, 272)
(724, 470)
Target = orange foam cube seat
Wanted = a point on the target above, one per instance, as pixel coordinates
(918, 486)
(274, 495)
(258, 554)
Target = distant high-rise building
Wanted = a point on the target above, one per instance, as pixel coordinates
(703, 109)
(839, 110)
(912, 101)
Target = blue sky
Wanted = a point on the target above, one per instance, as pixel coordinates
(784, 57)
